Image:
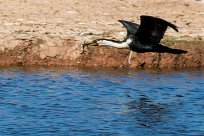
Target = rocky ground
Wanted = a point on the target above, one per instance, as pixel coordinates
(50, 32)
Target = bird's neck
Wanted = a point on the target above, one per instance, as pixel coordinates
(113, 43)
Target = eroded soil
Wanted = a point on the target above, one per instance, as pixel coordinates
(50, 32)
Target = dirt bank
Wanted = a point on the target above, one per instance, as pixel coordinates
(50, 32)
(68, 52)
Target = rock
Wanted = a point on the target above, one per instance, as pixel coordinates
(43, 55)
(11, 44)
(53, 51)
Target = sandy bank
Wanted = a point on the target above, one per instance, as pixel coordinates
(50, 32)
(67, 52)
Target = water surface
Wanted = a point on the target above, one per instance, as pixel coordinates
(86, 102)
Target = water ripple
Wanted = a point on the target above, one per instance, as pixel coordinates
(101, 102)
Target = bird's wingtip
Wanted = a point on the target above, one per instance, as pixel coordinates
(154, 17)
(173, 26)
(176, 29)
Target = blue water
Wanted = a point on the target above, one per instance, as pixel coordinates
(98, 102)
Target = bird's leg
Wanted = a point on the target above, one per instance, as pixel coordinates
(129, 58)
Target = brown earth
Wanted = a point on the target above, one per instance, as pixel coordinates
(50, 32)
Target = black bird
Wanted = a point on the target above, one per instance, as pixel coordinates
(145, 37)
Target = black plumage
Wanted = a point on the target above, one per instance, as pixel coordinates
(130, 27)
(146, 37)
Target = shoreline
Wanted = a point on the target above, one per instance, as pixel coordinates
(50, 32)
(56, 51)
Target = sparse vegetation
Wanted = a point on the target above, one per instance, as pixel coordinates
(170, 40)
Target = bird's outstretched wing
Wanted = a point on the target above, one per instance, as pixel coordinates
(152, 29)
(130, 27)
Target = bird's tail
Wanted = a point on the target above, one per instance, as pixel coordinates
(163, 49)
(177, 51)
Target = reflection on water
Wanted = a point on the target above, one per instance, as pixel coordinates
(146, 113)
(70, 101)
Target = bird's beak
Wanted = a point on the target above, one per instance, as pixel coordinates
(95, 42)
(99, 42)
(92, 43)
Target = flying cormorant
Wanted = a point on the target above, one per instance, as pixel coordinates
(145, 37)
